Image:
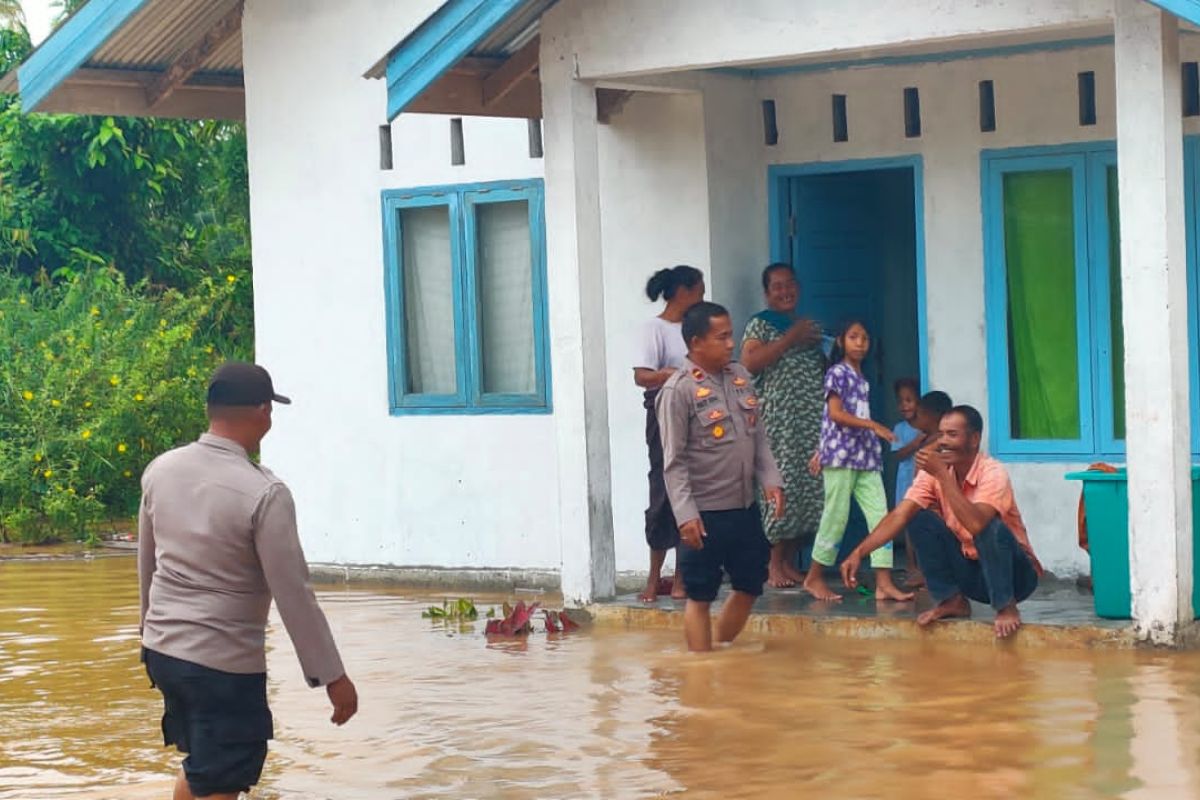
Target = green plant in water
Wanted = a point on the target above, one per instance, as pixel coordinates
(460, 610)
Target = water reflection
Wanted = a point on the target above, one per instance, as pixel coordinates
(605, 714)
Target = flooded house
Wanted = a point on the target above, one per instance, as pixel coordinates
(455, 206)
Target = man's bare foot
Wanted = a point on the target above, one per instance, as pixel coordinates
(677, 590)
(650, 593)
(815, 585)
(956, 606)
(886, 589)
(777, 576)
(1008, 619)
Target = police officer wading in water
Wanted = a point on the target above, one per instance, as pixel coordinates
(216, 543)
(714, 447)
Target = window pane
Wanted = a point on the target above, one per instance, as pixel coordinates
(1043, 360)
(1114, 291)
(428, 300)
(505, 281)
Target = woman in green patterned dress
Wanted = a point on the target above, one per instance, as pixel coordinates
(784, 353)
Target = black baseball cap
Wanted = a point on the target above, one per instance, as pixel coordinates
(236, 383)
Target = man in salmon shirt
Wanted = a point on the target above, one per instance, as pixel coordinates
(964, 522)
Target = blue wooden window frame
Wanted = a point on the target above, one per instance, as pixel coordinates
(1088, 163)
(461, 202)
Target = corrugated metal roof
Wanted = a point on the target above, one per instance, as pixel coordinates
(516, 31)
(164, 30)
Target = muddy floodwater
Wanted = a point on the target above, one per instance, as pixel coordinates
(603, 714)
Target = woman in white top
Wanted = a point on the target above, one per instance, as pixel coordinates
(661, 351)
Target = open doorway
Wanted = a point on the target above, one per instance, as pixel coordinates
(853, 232)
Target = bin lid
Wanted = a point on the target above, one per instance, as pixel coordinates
(1119, 475)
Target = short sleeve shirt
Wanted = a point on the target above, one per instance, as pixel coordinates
(842, 447)
(906, 469)
(986, 483)
(660, 345)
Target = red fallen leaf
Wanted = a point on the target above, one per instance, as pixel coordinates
(552, 622)
(493, 627)
(568, 624)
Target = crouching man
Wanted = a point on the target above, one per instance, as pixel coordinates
(963, 520)
(714, 447)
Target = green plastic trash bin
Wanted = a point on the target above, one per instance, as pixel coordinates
(1106, 503)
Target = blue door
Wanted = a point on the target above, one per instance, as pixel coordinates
(853, 245)
(853, 241)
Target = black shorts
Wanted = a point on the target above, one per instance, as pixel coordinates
(220, 719)
(736, 544)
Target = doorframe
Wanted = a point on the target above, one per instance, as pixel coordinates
(778, 176)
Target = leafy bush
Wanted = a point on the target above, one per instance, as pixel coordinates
(99, 378)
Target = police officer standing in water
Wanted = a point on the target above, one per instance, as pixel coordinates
(714, 447)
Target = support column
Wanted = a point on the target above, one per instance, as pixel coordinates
(1154, 292)
(576, 297)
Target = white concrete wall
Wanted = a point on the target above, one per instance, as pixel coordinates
(456, 491)
(654, 214)
(619, 38)
(1036, 104)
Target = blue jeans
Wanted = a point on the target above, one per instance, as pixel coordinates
(1002, 575)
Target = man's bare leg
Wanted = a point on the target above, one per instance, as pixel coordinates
(1008, 619)
(734, 614)
(777, 572)
(677, 590)
(697, 626)
(182, 790)
(650, 593)
(814, 583)
(956, 606)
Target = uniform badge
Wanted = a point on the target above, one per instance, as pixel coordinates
(751, 401)
(698, 374)
(703, 392)
(718, 432)
(739, 381)
(715, 414)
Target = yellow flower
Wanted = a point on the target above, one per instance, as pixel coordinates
(28, 395)
(48, 473)
(86, 434)
(114, 381)
(121, 448)
(22, 301)
(55, 403)
(191, 371)
(88, 404)
(71, 490)
(231, 278)
(37, 457)
(127, 474)
(162, 323)
(95, 311)
(138, 397)
(208, 349)
(128, 323)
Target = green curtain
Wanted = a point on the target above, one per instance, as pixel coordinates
(1114, 288)
(1039, 243)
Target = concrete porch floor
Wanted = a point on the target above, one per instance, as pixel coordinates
(1059, 614)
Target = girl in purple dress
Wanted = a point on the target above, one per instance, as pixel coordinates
(852, 464)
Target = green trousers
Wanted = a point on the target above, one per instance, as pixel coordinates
(840, 486)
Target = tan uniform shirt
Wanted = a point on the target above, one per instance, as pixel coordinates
(714, 442)
(216, 541)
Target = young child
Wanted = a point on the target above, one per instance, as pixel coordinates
(851, 460)
(917, 429)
